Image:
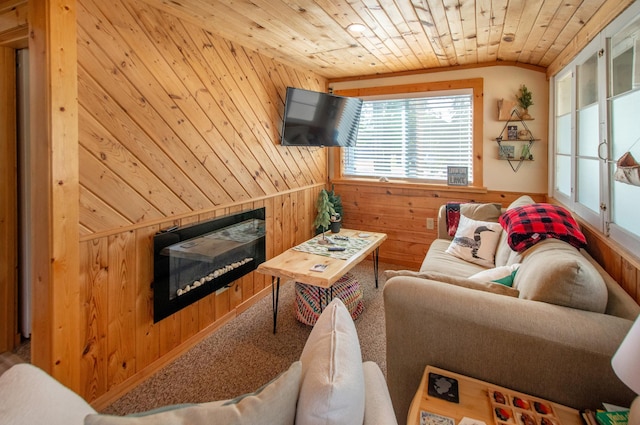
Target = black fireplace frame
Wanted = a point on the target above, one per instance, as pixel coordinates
(163, 305)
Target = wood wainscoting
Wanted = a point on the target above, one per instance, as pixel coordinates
(401, 211)
(121, 344)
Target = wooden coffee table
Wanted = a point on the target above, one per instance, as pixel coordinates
(296, 265)
(476, 401)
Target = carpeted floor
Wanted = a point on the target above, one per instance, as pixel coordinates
(22, 354)
(245, 354)
(7, 360)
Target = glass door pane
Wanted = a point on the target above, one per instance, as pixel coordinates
(588, 139)
(623, 101)
(563, 138)
(625, 132)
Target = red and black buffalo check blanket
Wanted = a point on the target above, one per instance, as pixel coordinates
(530, 224)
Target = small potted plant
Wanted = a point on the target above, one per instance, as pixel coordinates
(335, 219)
(525, 100)
(336, 222)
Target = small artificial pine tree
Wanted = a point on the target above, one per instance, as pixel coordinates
(525, 99)
(325, 212)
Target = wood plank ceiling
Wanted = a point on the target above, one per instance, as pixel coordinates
(399, 35)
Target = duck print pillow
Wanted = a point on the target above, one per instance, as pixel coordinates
(476, 241)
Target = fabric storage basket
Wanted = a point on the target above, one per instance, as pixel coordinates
(311, 299)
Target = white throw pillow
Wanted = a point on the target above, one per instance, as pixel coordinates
(29, 395)
(496, 273)
(476, 241)
(275, 403)
(332, 389)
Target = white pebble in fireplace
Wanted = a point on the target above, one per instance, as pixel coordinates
(211, 276)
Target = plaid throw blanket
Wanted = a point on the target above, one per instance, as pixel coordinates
(453, 217)
(530, 224)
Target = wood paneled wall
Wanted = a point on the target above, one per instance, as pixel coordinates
(174, 120)
(8, 201)
(175, 126)
(122, 345)
(14, 25)
(54, 191)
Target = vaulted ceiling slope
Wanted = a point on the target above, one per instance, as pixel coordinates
(401, 35)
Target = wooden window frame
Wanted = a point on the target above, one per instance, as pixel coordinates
(476, 85)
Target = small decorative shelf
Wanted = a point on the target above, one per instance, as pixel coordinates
(521, 140)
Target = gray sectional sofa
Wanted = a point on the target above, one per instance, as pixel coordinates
(552, 334)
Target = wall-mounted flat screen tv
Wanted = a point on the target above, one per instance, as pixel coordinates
(319, 119)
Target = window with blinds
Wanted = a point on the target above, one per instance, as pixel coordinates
(413, 138)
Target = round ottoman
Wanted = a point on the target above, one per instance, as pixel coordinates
(309, 299)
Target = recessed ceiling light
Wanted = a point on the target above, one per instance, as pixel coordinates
(357, 28)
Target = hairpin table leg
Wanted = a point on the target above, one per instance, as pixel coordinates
(375, 264)
(275, 295)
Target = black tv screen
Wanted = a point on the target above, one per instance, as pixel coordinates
(319, 119)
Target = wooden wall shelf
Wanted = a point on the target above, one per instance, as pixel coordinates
(524, 145)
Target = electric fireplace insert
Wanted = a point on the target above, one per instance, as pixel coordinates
(193, 261)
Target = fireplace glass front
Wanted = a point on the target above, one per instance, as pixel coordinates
(194, 261)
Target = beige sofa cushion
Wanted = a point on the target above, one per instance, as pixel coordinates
(554, 272)
(481, 212)
(521, 201)
(495, 288)
(475, 211)
(505, 256)
(437, 260)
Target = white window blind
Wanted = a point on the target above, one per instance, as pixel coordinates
(413, 138)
